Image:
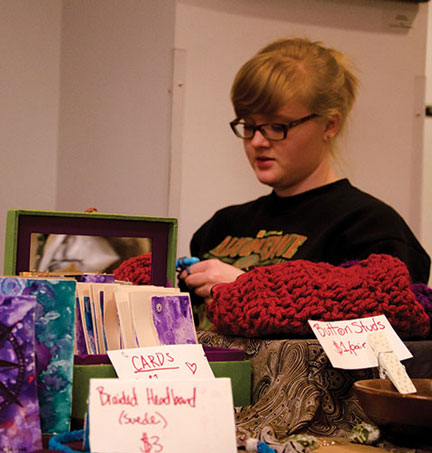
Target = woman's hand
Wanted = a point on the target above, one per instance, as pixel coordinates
(205, 274)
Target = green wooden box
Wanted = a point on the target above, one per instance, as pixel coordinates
(240, 373)
(23, 226)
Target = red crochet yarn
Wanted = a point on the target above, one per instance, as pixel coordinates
(281, 298)
(136, 270)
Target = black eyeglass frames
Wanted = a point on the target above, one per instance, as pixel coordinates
(271, 131)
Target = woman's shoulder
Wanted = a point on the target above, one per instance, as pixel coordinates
(363, 212)
(366, 201)
(357, 199)
(347, 208)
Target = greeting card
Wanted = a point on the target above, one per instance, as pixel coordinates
(173, 319)
(19, 407)
(54, 330)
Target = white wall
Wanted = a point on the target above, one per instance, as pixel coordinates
(382, 148)
(29, 87)
(426, 230)
(116, 70)
(85, 105)
(105, 138)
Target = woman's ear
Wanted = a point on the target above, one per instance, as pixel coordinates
(333, 125)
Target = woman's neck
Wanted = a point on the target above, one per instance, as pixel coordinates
(322, 176)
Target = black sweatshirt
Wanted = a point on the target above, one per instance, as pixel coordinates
(335, 223)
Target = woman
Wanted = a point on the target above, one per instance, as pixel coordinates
(291, 101)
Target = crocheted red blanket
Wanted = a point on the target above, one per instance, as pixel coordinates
(281, 298)
(136, 270)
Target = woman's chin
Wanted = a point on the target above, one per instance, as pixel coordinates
(265, 178)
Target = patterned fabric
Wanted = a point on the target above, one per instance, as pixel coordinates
(280, 299)
(296, 390)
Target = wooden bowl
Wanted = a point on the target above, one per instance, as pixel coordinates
(403, 416)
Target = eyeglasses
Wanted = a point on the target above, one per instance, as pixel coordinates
(271, 131)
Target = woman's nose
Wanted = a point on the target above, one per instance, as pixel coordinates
(259, 139)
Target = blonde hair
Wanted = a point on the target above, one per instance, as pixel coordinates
(295, 70)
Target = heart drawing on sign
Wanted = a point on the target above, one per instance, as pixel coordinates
(192, 367)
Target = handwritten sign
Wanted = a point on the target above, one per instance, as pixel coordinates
(178, 361)
(129, 415)
(346, 345)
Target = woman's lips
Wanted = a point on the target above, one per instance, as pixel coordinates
(263, 162)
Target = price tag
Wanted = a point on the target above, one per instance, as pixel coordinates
(346, 342)
(128, 416)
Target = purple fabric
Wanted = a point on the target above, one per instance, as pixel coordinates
(348, 263)
(424, 295)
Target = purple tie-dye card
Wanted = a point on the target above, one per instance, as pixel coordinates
(80, 344)
(19, 407)
(54, 331)
(96, 278)
(172, 317)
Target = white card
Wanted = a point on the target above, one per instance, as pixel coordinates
(133, 416)
(177, 361)
(110, 317)
(142, 313)
(346, 345)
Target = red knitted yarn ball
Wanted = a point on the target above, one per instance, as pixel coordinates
(136, 270)
(281, 298)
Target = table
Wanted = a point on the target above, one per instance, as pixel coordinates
(295, 389)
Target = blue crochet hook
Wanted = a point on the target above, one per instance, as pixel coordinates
(184, 262)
